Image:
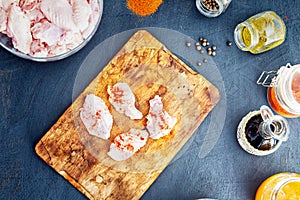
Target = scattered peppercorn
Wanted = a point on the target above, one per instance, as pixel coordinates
(211, 4)
(229, 43)
(211, 51)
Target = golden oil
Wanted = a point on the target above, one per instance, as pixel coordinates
(260, 33)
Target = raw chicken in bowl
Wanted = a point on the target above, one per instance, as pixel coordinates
(46, 30)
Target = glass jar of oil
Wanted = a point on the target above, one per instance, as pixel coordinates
(260, 33)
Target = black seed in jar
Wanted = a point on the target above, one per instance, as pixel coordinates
(204, 44)
(199, 63)
(229, 43)
(207, 43)
(204, 40)
(188, 44)
(214, 47)
(200, 39)
(205, 60)
(209, 52)
(209, 49)
(213, 53)
(202, 51)
(197, 43)
(198, 48)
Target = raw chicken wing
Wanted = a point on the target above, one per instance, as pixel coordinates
(96, 117)
(81, 13)
(3, 19)
(44, 28)
(47, 32)
(93, 19)
(123, 100)
(20, 31)
(7, 3)
(159, 123)
(126, 144)
(59, 12)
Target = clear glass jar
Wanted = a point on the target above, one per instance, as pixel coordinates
(284, 91)
(281, 186)
(261, 132)
(212, 8)
(260, 32)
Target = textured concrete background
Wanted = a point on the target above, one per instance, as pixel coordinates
(33, 96)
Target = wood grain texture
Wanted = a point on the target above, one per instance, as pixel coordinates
(149, 69)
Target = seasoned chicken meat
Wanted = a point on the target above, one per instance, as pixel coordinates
(159, 122)
(96, 117)
(123, 100)
(126, 144)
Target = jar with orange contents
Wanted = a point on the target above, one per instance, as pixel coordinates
(283, 90)
(282, 186)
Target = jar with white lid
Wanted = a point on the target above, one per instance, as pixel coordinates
(212, 8)
(283, 90)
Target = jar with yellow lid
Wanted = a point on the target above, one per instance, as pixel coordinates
(283, 90)
(282, 186)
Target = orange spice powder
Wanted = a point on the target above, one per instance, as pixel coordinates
(143, 7)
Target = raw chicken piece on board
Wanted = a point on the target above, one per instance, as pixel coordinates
(123, 100)
(126, 144)
(159, 122)
(96, 117)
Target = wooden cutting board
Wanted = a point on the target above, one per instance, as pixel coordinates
(149, 69)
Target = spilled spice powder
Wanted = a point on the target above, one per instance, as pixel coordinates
(143, 7)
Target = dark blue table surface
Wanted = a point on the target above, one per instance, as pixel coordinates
(33, 96)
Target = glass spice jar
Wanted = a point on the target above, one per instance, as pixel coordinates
(282, 186)
(212, 8)
(283, 90)
(260, 33)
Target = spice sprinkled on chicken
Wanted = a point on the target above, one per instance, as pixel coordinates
(123, 100)
(126, 144)
(159, 123)
(96, 117)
